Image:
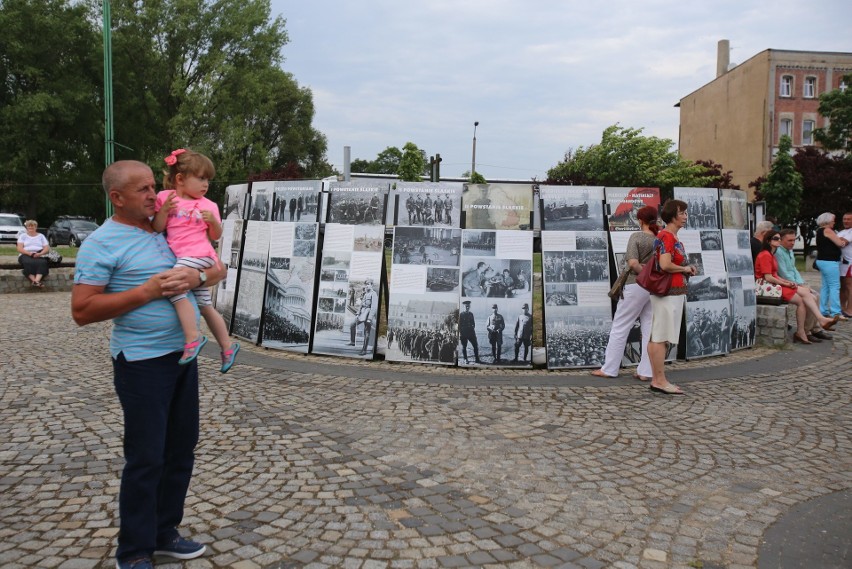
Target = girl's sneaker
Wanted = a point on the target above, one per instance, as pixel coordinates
(192, 349)
(229, 356)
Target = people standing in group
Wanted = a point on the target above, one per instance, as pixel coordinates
(124, 272)
(667, 311)
(786, 260)
(32, 248)
(757, 239)
(191, 221)
(636, 301)
(828, 246)
(846, 267)
(766, 268)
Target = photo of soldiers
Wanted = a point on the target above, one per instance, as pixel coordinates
(708, 328)
(480, 243)
(701, 207)
(357, 207)
(523, 332)
(423, 330)
(467, 332)
(426, 246)
(576, 266)
(366, 312)
(495, 324)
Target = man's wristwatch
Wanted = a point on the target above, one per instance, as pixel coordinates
(202, 276)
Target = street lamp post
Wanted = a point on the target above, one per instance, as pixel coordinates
(473, 160)
(109, 147)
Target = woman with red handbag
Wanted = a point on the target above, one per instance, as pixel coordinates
(667, 307)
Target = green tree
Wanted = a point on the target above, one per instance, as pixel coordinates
(207, 75)
(413, 163)
(826, 180)
(387, 162)
(625, 157)
(50, 113)
(836, 106)
(783, 187)
(715, 176)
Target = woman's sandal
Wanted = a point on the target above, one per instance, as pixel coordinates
(192, 349)
(229, 356)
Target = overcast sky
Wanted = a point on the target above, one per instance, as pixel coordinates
(540, 76)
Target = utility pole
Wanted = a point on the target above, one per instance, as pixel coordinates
(473, 160)
(109, 132)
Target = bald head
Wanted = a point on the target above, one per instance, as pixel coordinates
(116, 174)
(131, 188)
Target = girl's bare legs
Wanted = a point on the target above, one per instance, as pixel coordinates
(186, 316)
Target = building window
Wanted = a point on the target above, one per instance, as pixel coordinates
(786, 128)
(786, 86)
(808, 132)
(809, 89)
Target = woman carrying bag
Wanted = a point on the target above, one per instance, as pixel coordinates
(635, 302)
(667, 310)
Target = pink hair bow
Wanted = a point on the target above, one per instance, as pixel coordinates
(171, 159)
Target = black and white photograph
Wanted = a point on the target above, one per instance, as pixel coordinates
(739, 263)
(306, 231)
(495, 332)
(289, 300)
(576, 337)
(261, 194)
(624, 203)
(229, 252)
(422, 329)
(369, 238)
(575, 266)
(442, 279)
(480, 243)
(708, 328)
(357, 207)
(355, 336)
(711, 240)
(250, 296)
(296, 201)
(304, 248)
(571, 208)
(281, 263)
(701, 288)
(743, 311)
(734, 209)
(562, 294)
(743, 241)
(697, 261)
(428, 207)
(426, 246)
(498, 206)
(235, 202)
(701, 207)
(591, 241)
(496, 278)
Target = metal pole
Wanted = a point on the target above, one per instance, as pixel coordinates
(473, 160)
(347, 164)
(109, 135)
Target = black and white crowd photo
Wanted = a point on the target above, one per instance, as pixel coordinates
(356, 207)
(708, 328)
(422, 330)
(703, 288)
(560, 294)
(287, 309)
(744, 311)
(480, 243)
(711, 240)
(577, 336)
(575, 266)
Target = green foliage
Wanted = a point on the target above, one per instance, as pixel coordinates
(412, 164)
(477, 178)
(715, 176)
(387, 162)
(783, 188)
(836, 106)
(826, 180)
(50, 114)
(626, 158)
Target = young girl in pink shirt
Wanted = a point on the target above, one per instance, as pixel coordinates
(191, 221)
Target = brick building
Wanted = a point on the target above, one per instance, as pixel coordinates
(738, 118)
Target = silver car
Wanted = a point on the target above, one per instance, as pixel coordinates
(10, 227)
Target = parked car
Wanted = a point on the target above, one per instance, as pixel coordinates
(69, 230)
(10, 227)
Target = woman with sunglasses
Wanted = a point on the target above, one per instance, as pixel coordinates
(766, 268)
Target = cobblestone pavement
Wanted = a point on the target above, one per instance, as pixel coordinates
(312, 462)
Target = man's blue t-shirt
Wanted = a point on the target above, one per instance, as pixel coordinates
(121, 257)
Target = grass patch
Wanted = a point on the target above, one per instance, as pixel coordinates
(12, 251)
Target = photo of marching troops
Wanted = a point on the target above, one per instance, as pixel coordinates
(575, 266)
(357, 207)
(429, 209)
(480, 243)
(708, 329)
(422, 330)
(426, 246)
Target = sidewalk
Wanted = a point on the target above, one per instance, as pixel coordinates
(321, 462)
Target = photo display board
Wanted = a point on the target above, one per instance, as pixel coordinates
(252, 279)
(236, 202)
(428, 204)
(708, 311)
(289, 301)
(575, 273)
(357, 203)
(623, 204)
(495, 312)
(424, 289)
(230, 246)
(736, 243)
(498, 206)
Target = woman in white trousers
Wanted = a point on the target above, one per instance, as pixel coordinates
(636, 302)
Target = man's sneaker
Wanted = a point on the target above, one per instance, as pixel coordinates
(181, 548)
(138, 563)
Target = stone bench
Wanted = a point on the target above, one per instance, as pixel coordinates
(773, 325)
(12, 280)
